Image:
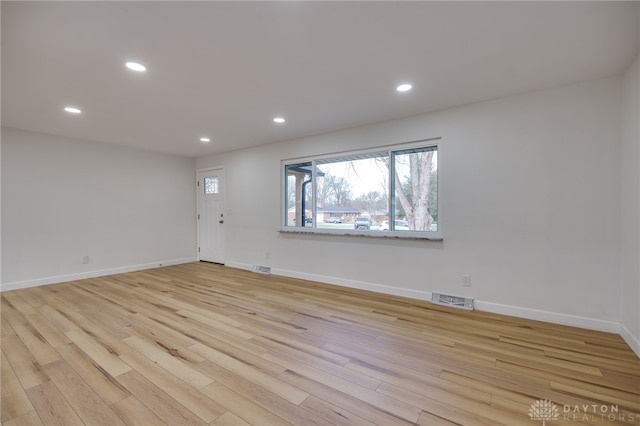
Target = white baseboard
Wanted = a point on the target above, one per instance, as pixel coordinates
(238, 265)
(547, 316)
(631, 340)
(91, 274)
(361, 285)
(516, 311)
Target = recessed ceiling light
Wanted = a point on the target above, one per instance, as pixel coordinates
(404, 87)
(205, 139)
(278, 120)
(134, 66)
(73, 110)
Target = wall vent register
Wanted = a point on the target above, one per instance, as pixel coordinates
(453, 301)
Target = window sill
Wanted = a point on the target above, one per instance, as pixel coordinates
(395, 235)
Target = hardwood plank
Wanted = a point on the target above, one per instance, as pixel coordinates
(470, 412)
(6, 329)
(341, 371)
(414, 381)
(531, 369)
(134, 413)
(85, 322)
(428, 419)
(58, 319)
(19, 304)
(10, 314)
(51, 334)
(628, 381)
(170, 360)
(303, 345)
(205, 322)
(103, 383)
(345, 402)
(159, 312)
(84, 401)
(516, 407)
(623, 399)
(29, 419)
(13, 398)
(102, 354)
(618, 365)
(218, 339)
(264, 397)
(35, 343)
(191, 309)
(36, 296)
(385, 402)
(139, 321)
(166, 344)
(510, 353)
(229, 419)
(245, 351)
(28, 371)
(507, 386)
(51, 406)
(334, 414)
(274, 323)
(248, 371)
(158, 401)
(247, 410)
(173, 385)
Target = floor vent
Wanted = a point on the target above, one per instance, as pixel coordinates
(453, 301)
(262, 269)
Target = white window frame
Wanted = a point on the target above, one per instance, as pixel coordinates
(422, 235)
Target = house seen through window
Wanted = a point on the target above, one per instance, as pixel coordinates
(390, 190)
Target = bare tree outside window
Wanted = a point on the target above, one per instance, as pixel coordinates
(415, 194)
(372, 202)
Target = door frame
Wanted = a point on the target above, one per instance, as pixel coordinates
(224, 204)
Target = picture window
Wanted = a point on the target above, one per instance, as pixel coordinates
(389, 191)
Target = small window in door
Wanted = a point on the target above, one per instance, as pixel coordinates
(211, 185)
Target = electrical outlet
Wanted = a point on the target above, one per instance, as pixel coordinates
(267, 255)
(466, 280)
(84, 260)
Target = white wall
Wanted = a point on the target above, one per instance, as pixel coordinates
(530, 189)
(631, 207)
(63, 199)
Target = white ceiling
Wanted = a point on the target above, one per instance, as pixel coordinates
(225, 69)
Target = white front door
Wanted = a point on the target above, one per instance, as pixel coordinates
(211, 238)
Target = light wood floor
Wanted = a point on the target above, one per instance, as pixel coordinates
(204, 344)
